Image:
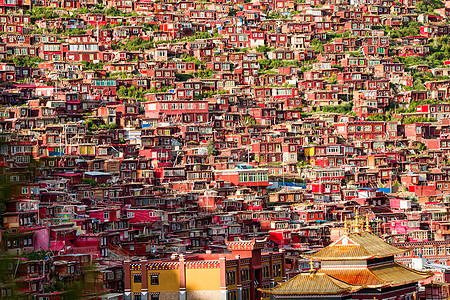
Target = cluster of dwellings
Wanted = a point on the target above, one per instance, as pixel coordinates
(180, 152)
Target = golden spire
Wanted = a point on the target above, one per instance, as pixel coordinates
(345, 226)
(367, 224)
(356, 223)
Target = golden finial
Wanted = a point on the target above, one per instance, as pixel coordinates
(311, 266)
(345, 226)
(367, 224)
(356, 223)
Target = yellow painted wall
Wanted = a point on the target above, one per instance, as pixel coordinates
(232, 268)
(87, 149)
(135, 287)
(277, 261)
(232, 286)
(83, 150)
(169, 280)
(309, 151)
(202, 279)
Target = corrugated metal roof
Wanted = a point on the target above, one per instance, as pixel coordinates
(399, 274)
(356, 246)
(354, 276)
(392, 274)
(310, 284)
(347, 280)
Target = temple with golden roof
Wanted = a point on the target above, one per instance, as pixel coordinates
(359, 265)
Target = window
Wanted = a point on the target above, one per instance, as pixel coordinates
(243, 177)
(232, 295)
(231, 277)
(245, 294)
(137, 278)
(265, 272)
(154, 279)
(277, 270)
(427, 251)
(106, 215)
(244, 275)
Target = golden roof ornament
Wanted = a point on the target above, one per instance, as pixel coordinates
(367, 224)
(311, 266)
(356, 223)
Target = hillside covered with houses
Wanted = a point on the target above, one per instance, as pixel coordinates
(158, 149)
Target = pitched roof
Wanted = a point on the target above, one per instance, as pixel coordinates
(392, 274)
(332, 281)
(399, 274)
(357, 246)
(354, 276)
(311, 284)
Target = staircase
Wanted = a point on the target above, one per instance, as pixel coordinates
(116, 251)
